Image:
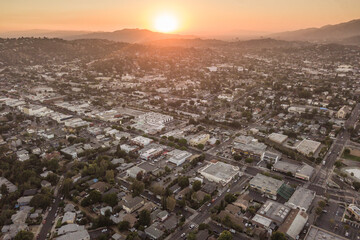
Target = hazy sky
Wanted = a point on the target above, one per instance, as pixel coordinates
(194, 16)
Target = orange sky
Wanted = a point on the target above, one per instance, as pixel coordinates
(201, 17)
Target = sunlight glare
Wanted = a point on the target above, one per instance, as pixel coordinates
(166, 23)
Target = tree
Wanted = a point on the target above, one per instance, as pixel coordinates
(322, 204)
(137, 188)
(203, 226)
(183, 181)
(318, 210)
(40, 201)
(123, 225)
(200, 146)
(111, 199)
(230, 198)
(170, 203)
(4, 190)
(237, 157)
(67, 186)
(225, 235)
(139, 176)
(109, 176)
(94, 197)
(356, 185)
(191, 236)
(278, 236)
(144, 218)
(347, 151)
(132, 235)
(196, 185)
(24, 235)
(182, 142)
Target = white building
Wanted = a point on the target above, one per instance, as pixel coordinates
(141, 141)
(178, 157)
(219, 172)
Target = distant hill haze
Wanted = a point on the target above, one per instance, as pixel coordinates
(130, 36)
(348, 32)
(124, 35)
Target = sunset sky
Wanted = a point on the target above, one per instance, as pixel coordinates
(201, 17)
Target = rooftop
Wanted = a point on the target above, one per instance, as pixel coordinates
(316, 233)
(302, 198)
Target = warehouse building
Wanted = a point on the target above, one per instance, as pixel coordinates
(278, 138)
(267, 185)
(178, 157)
(219, 172)
(308, 147)
(301, 199)
(316, 233)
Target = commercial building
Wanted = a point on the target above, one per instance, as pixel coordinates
(316, 233)
(270, 157)
(266, 185)
(128, 148)
(308, 147)
(199, 139)
(277, 138)
(343, 112)
(141, 141)
(275, 211)
(354, 210)
(305, 172)
(219, 172)
(294, 224)
(301, 199)
(151, 153)
(178, 157)
(133, 172)
(302, 171)
(285, 167)
(248, 146)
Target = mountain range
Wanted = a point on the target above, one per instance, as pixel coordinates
(343, 33)
(347, 33)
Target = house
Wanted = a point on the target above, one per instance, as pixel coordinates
(100, 186)
(69, 217)
(105, 209)
(78, 235)
(170, 223)
(131, 204)
(154, 232)
(68, 228)
(24, 201)
(162, 215)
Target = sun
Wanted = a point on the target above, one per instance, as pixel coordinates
(166, 23)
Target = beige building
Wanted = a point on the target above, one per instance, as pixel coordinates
(343, 112)
(199, 139)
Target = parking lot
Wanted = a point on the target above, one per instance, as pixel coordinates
(330, 220)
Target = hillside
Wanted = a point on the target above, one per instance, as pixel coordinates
(129, 36)
(328, 33)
